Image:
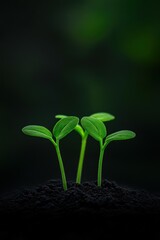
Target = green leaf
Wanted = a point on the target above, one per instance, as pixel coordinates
(104, 117)
(61, 116)
(80, 130)
(120, 135)
(64, 126)
(94, 127)
(37, 131)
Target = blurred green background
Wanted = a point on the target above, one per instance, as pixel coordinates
(78, 58)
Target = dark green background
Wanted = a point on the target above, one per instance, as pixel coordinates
(77, 58)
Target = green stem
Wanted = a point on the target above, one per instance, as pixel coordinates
(63, 175)
(100, 163)
(81, 158)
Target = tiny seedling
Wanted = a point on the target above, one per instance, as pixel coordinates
(61, 129)
(102, 116)
(96, 128)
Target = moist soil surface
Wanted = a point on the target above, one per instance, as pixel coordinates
(82, 212)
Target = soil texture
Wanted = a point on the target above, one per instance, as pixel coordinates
(82, 212)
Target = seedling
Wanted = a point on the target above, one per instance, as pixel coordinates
(104, 117)
(92, 125)
(61, 129)
(96, 128)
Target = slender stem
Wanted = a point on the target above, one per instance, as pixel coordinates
(54, 143)
(100, 163)
(63, 175)
(81, 158)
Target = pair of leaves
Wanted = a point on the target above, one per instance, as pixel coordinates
(102, 116)
(97, 130)
(62, 128)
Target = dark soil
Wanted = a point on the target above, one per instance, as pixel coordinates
(82, 212)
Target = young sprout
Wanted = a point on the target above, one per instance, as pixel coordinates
(104, 117)
(61, 129)
(97, 130)
(84, 136)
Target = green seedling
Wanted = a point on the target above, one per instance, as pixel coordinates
(102, 116)
(61, 129)
(96, 128)
(84, 136)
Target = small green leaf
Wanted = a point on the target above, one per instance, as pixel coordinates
(37, 131)
(120, 135)
(80, 130)
(64, 126)
(94, 127)
(61, 116)
(104, 117)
